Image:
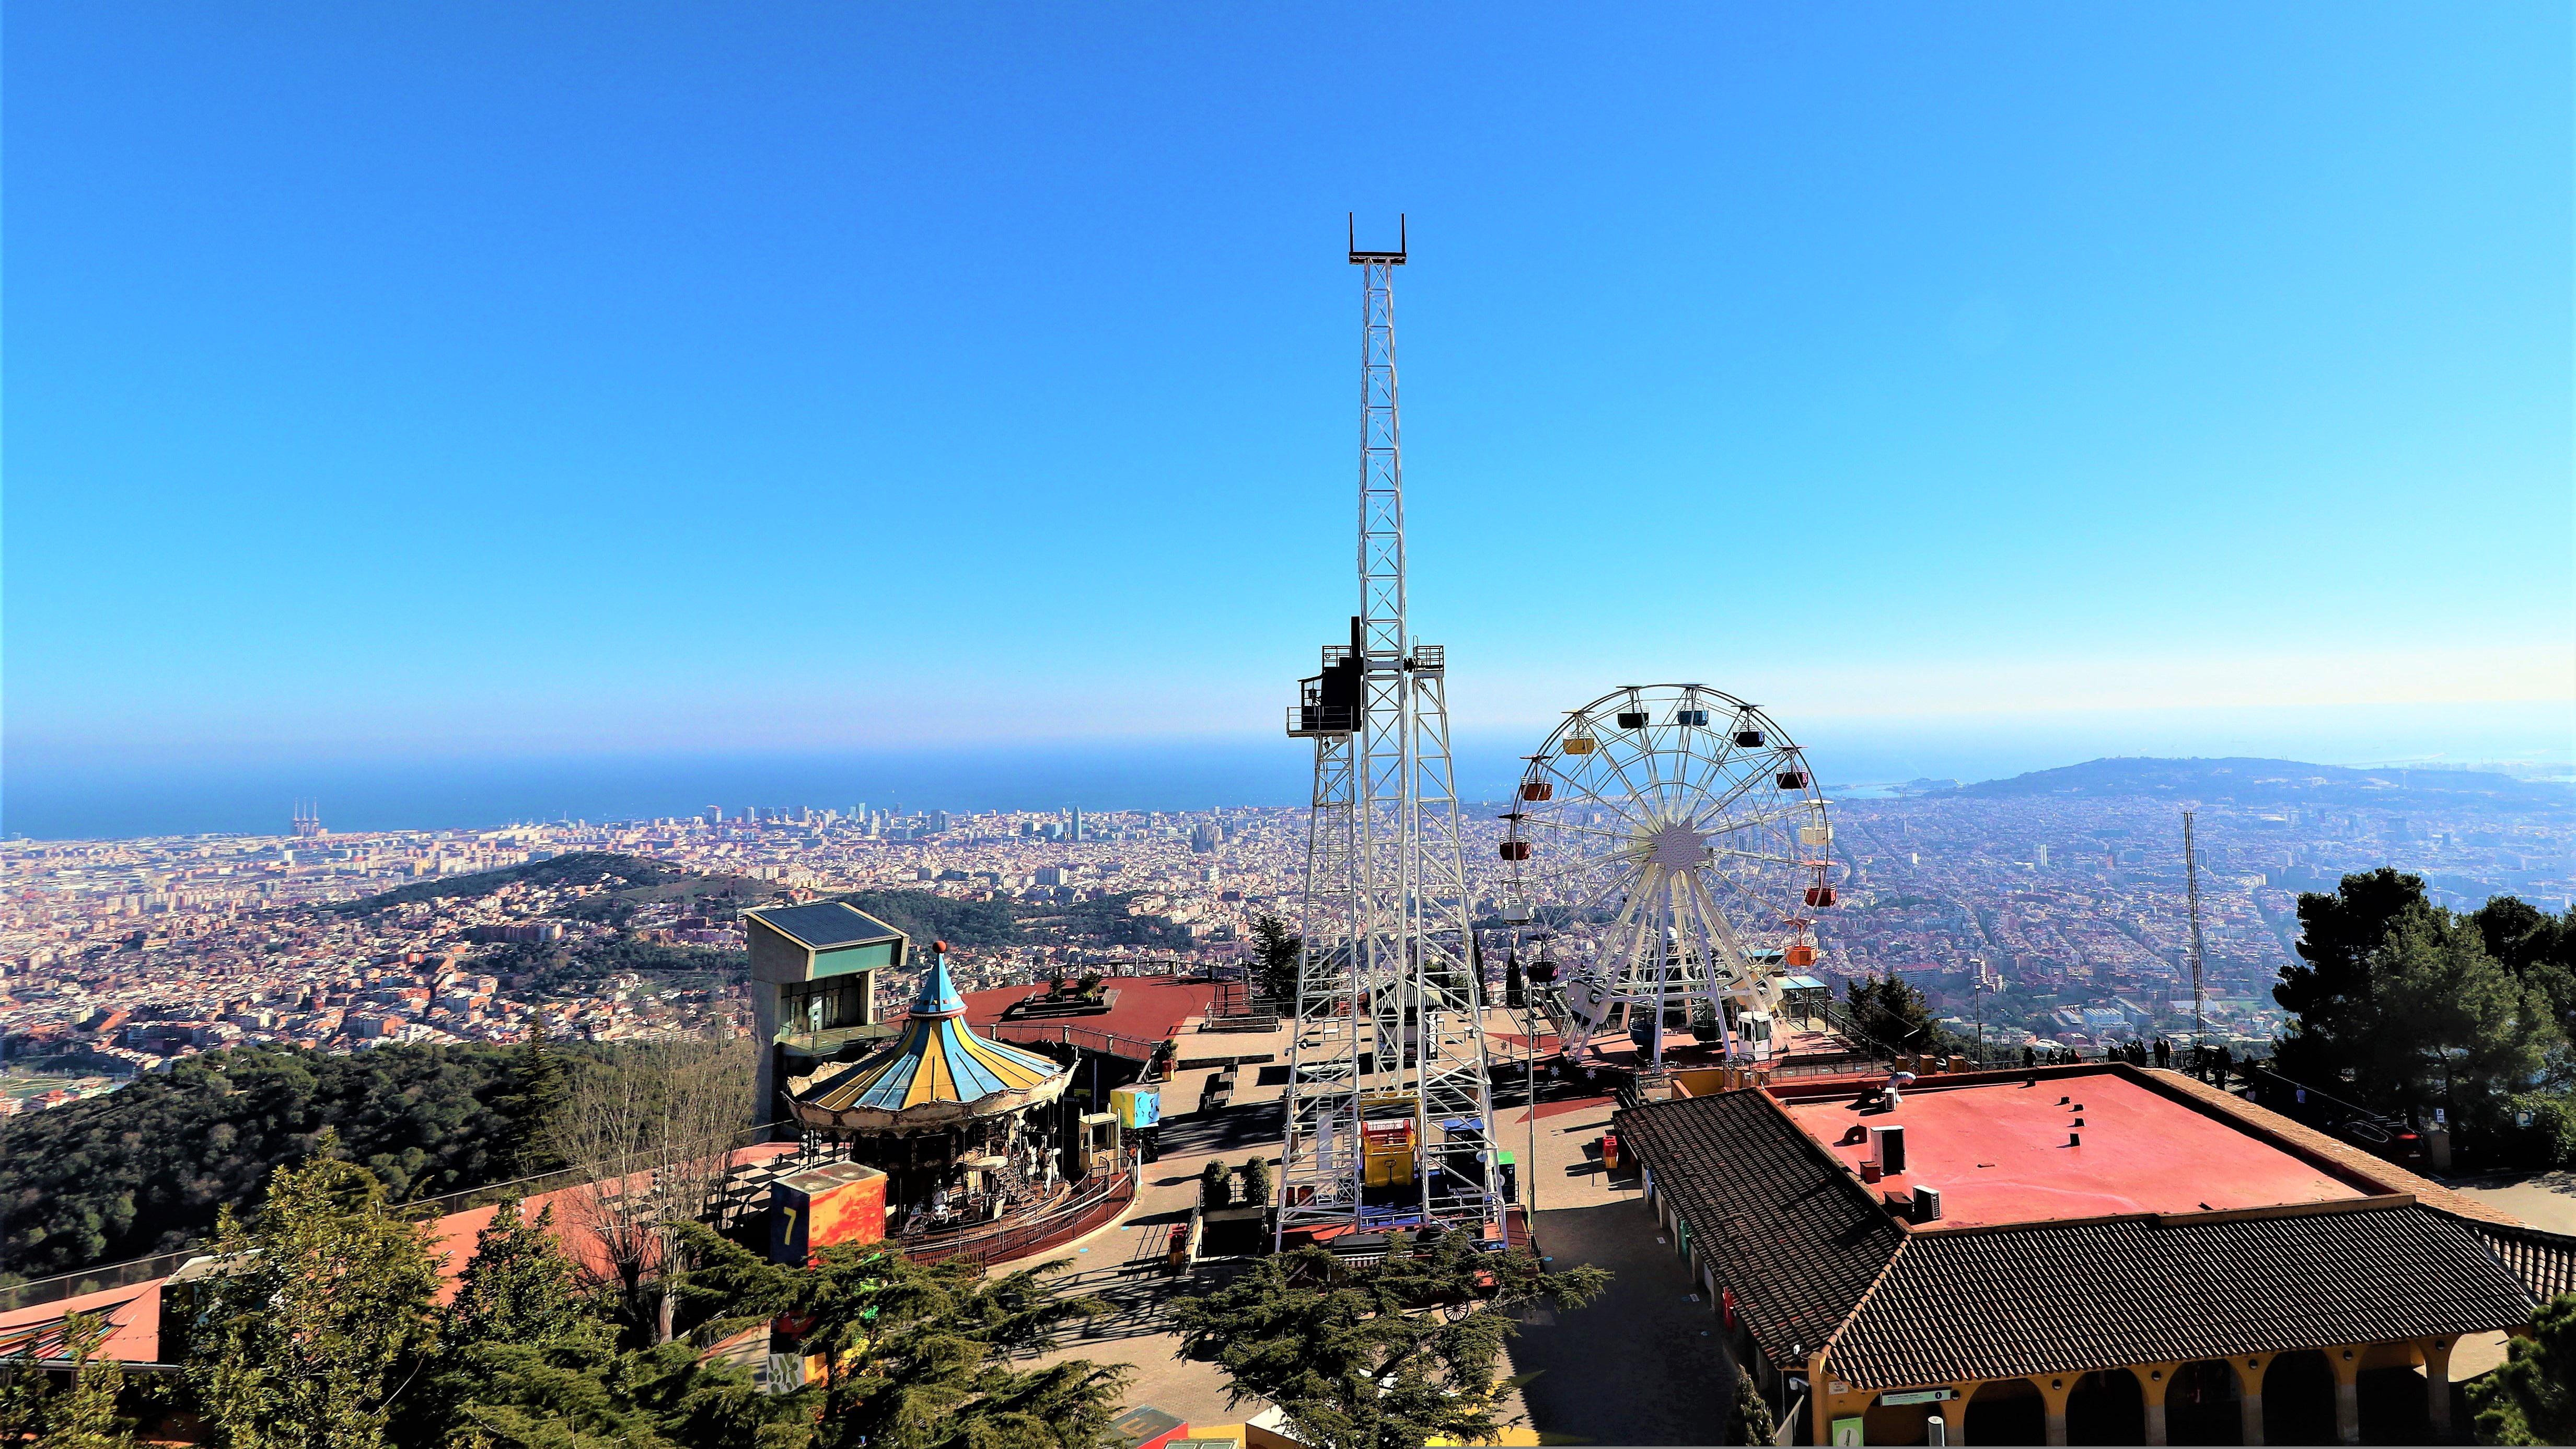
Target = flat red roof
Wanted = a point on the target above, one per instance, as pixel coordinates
(1148, 1009)
(1998, 1150)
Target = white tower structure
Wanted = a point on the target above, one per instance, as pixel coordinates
(1389, 1112)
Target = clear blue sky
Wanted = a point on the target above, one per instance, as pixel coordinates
(392, 381)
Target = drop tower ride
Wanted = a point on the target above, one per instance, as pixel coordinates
(1389, 1113)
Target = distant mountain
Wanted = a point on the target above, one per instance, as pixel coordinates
(2276, 782)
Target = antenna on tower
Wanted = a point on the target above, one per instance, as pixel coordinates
(2191, 893)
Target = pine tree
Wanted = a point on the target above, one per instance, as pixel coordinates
(1751, 1422)
(518, 1287)
(318, 1314)
(919, 1354)
(535, 1090)
(1387, 1357)
(1274, 961)
(2531, 1399)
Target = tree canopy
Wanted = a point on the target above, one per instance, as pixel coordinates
(2407, 1008)
(316, 1314)
(2531, 1397)
(143, 1169)
(918, 1356)
(1383, 1357)
(1275, 950)
(1891, 1012)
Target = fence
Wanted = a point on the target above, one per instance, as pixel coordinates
(1111, 1044)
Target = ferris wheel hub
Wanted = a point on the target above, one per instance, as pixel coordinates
(1676, 847)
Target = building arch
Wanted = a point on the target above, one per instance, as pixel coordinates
(2299, 1398)
(2106, 1407)
(2201, 1407)
(2005, 1411)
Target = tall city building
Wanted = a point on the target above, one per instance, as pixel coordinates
(1073, 831)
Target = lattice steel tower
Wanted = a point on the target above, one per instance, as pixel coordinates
(1389, 1112)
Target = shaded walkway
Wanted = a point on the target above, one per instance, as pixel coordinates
(1645, 1364)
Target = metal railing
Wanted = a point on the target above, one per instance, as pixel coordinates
(1108, 1043)
(1321, 719)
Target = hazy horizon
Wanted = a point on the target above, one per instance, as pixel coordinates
(108, 795)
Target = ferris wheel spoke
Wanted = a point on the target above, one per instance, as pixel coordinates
(1634, 794)
(1721, 933)
(1562, 827)
(1578, 783)
(1624, 971)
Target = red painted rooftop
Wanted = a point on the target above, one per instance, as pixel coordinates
(1998, 1150)
(1148, 1009)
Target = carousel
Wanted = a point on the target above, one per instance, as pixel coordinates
(964, 1127)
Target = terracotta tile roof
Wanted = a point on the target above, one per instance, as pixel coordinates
(1814, 1260)
(2388, 1175)
(1780, 1223)
(2544, 1261)
(1997, 1303)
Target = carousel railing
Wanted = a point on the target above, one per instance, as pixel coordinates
(1093, 1203)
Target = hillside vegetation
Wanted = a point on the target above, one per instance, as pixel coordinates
(631, 881)
(143, 1169)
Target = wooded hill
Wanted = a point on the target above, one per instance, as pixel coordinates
(142, 1169)
(631, 881)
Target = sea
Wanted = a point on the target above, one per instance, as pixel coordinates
(55, 794)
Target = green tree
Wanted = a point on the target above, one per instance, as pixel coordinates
(318, 1313)
(526, 1360)
(1256, 1181)
(2537, 947)
(1216, 1185)
(1891, 1012)
(2531, 1396)
(143, 1169)
(534, 1090)
(2406, 1008)
(2448, 1027)
(919, 1355)
(518, 1287)
(1386, 1357)
(1274, 960)
(1751, 1421)
(2330, 997)
(82, 1416)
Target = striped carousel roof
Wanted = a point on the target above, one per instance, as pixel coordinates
(937, 1061)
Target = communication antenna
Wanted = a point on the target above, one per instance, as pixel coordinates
(2191, 893)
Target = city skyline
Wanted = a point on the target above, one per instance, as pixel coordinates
(2031, 369)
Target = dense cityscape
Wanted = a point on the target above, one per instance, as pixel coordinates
(2045, 910)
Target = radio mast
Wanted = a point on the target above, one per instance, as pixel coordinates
(1388, 1117)
(2191, 893)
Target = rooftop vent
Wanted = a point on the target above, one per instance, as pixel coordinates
(1887, 1147)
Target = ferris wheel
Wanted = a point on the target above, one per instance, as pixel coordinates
(1668, 849)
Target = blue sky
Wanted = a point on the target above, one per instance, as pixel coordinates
(405, 382)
